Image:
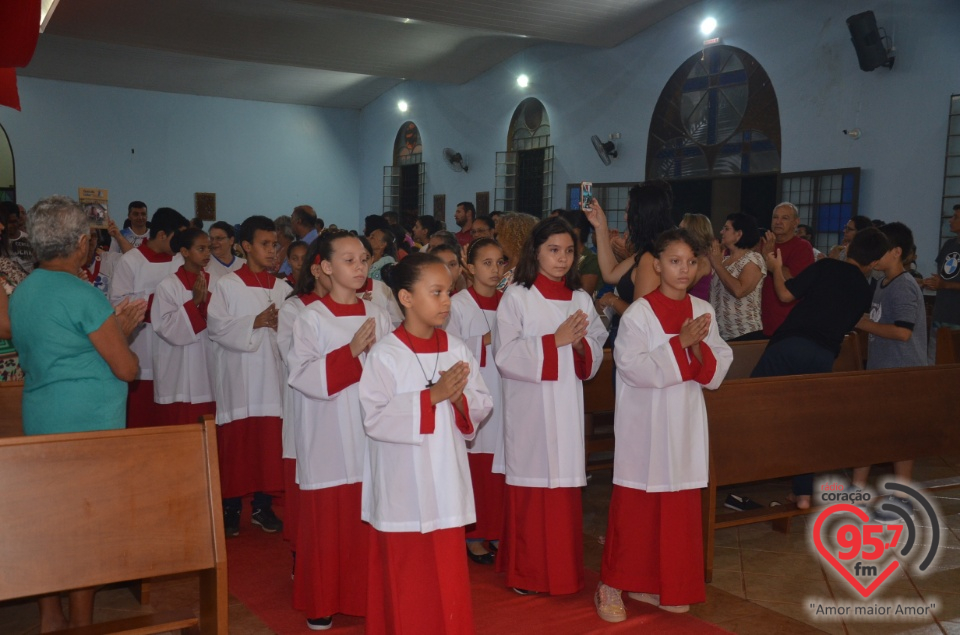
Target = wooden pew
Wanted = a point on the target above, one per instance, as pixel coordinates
(11, 409)
(776, 427)
(599, 397)
(948, 346)
(96, 508)
(598, 400)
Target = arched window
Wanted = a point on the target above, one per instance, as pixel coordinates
(524, 176)
(8, 181)
(403, 181)
(715, 135)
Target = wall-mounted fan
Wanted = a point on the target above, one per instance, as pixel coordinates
(606, 150)
(455, 160)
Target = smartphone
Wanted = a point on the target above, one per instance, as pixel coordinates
(586, 195)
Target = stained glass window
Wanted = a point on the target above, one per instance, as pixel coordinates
(827, 199)
(717, 116)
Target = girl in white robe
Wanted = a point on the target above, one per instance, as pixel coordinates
(548, 340)
(309, 289)
(182, 386)
(422, 395)
(330, 340)
(380, 294)
(668, 349)
(473, 318)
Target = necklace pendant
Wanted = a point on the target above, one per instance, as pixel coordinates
(430, 384)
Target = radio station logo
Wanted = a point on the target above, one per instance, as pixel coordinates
(867, 539)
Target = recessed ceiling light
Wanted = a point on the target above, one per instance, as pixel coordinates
(407, 20)
(402, 106)
(708, 25)
(523, 81)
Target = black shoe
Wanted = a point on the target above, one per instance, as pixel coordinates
(740, 503)
(320, 623)
(523, 591)
(267, 520)
(483, 558)
(231, 522)
(493, 546)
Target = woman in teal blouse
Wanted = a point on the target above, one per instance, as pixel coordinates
(73, 351)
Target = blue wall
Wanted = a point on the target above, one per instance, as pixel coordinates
(259, 158)
(804, 46)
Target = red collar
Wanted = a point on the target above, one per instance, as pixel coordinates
(92, 274)
(153, 256)
(552, 290)
(309, 298)
(367, 286)
(343, 310)
(671, 313)
(291, 280)
(264, 279)
(486, 304)
(435, 344)
(189, 279)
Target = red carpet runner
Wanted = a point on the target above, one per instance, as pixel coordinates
(259, 576)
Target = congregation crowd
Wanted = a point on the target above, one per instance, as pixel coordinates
(414, 392)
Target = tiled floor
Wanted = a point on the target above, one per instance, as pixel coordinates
(763, 580)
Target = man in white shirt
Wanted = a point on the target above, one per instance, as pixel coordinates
(139, 230)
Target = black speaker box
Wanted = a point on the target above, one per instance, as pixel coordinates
(866, 38)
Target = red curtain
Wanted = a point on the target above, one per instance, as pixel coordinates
(21, 20)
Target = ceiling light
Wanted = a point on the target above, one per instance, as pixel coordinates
(407, 20)
(707, 26)
(402, 106)
(523, 81)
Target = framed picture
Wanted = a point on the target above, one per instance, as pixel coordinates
(205, 205)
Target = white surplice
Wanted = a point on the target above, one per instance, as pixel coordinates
(136, 276)
(379, 293)
(289, 311)
(416, 477)
(661, 419)
(543, 418)
(180, 373)
(330, 441)
(217, 269)
(470, 323)
(248, 381)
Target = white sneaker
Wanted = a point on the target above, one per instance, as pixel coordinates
(653, 599)
(609, 604)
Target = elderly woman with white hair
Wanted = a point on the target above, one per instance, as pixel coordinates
(73, 351)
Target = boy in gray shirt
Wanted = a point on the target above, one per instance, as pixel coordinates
(897, 329)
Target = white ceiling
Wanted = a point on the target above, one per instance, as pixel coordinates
(336, 53)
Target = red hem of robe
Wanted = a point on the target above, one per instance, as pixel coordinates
(654, 544)
(141, 409)
(331, 575)
(583, 364)
(419, 583)
(250, 452)
(291, 503)
(541, 545)
(488, 497)
(181, 413)
(708, 368)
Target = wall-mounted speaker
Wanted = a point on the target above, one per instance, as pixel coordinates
(868, 41)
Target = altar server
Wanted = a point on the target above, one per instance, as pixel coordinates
(668, 349)
(548, 340)
(422, 395)
(473, 318)
(182, 387)
(242, 324)
(330, 340)
(136, 277)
